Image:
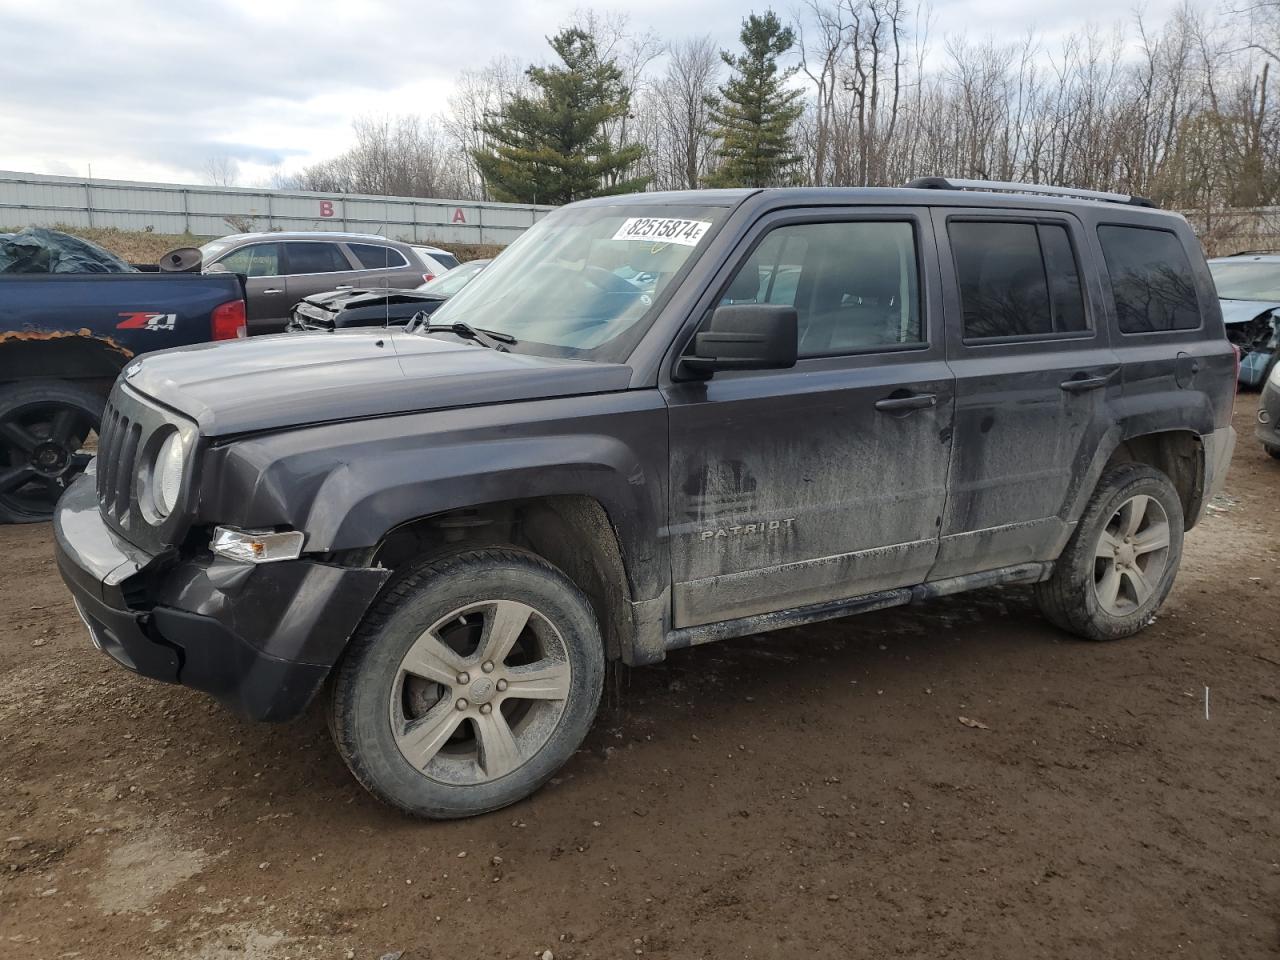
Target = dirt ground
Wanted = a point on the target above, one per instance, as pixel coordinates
(805, 793)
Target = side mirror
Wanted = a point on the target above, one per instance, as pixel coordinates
(746, 336)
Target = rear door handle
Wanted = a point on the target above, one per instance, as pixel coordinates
(917, 401)
(272, 290)
(344, 286)
(1083, 384)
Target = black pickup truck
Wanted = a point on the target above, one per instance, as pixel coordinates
(64, 338)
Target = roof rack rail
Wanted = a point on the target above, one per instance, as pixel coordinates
(1004, 186)
(1254, 253)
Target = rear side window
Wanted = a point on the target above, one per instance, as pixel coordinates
(1016, 279)
(1151, 279)
(374, 257)
(312, 257)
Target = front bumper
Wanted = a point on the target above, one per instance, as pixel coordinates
(261, 638)
(1268, 428)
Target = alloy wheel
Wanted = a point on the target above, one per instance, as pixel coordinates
(41, 452)
(480, 692)
(1131, 555)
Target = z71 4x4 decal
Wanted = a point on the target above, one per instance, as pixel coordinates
(147, 321)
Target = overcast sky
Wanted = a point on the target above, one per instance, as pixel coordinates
(146, 90)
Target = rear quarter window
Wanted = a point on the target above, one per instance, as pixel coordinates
(374, 257)
(1151, 279)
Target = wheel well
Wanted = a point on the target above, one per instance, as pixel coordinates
(62, 355)
(572, 532)
(1179, 455)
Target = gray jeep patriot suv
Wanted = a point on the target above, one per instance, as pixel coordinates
(657, 421)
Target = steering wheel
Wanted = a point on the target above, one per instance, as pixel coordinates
(606, 281)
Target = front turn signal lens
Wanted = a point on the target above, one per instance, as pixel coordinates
(257, 546)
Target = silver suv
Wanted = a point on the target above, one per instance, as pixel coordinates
(283, 268)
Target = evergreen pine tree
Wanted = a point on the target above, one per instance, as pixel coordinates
(551, 146)
(755, 111)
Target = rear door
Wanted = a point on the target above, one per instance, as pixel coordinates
(316, 266)
(1036, 380)
(383, 266)
(823, 482)
(266, 299)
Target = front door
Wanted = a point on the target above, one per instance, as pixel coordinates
(826, 481)
(266, 299)
(1035, 375)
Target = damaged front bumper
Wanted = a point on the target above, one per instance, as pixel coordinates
(1268, 428)
(261, 638)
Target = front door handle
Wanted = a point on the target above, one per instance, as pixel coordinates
(1083, 384)
(272, 290)
(344, 286)
(916, 401)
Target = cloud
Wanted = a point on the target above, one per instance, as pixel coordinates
(143, 89)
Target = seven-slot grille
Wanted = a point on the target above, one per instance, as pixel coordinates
(118, 444)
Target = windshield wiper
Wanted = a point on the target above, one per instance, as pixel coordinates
(493, 339)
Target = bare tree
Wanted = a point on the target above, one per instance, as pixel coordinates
(220, 170)
(674, 117)
(402, 156)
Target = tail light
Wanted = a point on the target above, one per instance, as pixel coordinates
(428, 277)
(229, 321)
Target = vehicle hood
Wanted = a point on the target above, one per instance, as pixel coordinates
(266, 383)
(336, 300)
(1242, 311)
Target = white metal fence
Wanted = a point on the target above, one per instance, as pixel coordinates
(29, 199)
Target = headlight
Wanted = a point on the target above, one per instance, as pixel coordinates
(160, 475)
(1275, 375)
(168, 474)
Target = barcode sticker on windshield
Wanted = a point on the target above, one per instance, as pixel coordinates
(662, 230)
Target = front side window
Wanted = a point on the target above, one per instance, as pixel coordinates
(374, 257)
(855, 285)
(1151, 279)
(583, 282)
(1016, 279)
(255, 260)
(313, 257)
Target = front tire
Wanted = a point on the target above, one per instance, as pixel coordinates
(471, 681)
(1120, 563)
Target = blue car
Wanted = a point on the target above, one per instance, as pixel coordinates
(1249, 291)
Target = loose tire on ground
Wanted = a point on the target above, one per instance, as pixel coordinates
(43, 425)
(1118, 566)
(469, 683)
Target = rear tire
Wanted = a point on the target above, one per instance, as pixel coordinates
(469, 684)
(1120, 562)
(43, 424)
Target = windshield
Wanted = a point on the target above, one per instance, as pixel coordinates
(583, 281)
(1255, 280)
(447, 284)
(209, 251)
